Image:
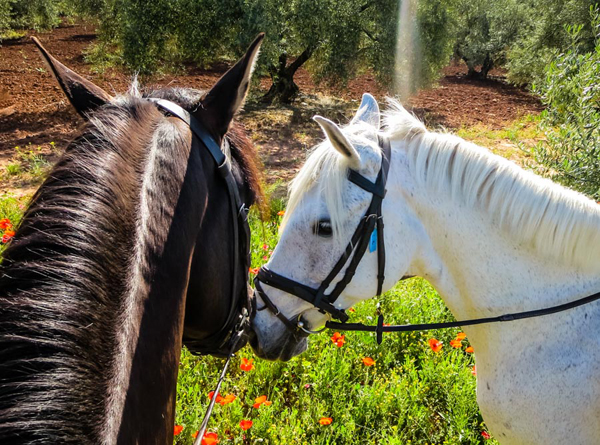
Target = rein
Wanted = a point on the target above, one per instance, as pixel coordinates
(371, 224)
(239, 310)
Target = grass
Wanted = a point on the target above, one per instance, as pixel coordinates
(29, 164)
(411, 395)
(514, 141)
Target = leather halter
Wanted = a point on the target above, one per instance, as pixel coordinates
(238, 319)
(371, 225)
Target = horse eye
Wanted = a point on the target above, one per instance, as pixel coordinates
(323, 228)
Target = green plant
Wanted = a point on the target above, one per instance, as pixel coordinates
(571, 92)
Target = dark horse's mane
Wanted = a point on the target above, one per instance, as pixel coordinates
(63, 276)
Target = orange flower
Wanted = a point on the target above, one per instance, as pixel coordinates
(8, 235)
(218, 399)
(461, 336)
(368, 361)
(194, 435)
(254, 270)
(470, 350)
(227, 399)
(352, 310)
(338, 339)
(265, 247)
(245, 424)
(325, 420)
(178, 429)
(210, 439)
(435, 344)
(262, 400)
(474, 370)
(5, 223)
(456, 343)
(485, 435)
(247, 365)
(281, 213)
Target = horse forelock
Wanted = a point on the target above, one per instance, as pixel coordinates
(66, 277)
(327, 170)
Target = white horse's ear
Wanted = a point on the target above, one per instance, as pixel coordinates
(368, 112)
(339, 141)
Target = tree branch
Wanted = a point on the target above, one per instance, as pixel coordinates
(300, 60)
(369, 35)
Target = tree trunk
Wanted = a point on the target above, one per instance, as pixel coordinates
(284, 89)
(488, 64)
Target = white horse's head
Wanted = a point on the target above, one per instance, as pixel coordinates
(323, 213)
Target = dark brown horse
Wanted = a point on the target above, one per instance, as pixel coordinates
(125, 250)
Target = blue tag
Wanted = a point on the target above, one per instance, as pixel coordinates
(373, 241)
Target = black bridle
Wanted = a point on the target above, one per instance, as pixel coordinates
(372, 220)
(369, 231)
(238, 320)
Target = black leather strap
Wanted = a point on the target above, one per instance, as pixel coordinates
(219, 340)
(379, 329)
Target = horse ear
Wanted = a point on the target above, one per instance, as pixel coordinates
(339, 141)
(368, 112)
(226, 97)
(83, 94)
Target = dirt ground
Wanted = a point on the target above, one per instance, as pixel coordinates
(34, 112)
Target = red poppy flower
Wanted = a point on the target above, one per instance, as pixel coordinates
(210, 439)
(5, 223)
(262, 400)
(470, 350)
(352, 310)
(456, 343)
(254, 270)
(461, 336)
(485, 435)
(325, 420)
(177, 430)
(368, 361)
(474, 370)
(338, 339)
(245, 424)
(435, 344)
(265, 247)
(247, 364)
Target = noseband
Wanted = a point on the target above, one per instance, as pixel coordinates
(369, 233)
(238, 319)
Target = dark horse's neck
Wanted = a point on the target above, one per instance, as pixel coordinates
(92, 289)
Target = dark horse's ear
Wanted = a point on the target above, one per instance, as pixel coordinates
(226, 97)
(83, 94)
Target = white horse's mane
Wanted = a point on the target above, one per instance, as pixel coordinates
(553, 220)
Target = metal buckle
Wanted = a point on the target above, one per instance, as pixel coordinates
(300, 324)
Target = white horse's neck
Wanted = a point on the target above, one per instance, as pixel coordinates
(481, 264)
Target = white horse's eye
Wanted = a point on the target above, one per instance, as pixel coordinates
(323, 228)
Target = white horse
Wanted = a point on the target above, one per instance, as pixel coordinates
(491, 238)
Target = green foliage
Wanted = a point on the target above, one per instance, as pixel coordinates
(341, 38)
(36, 14)
(542, 32)
(485, 30)
(411, 394)
(571, 92)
